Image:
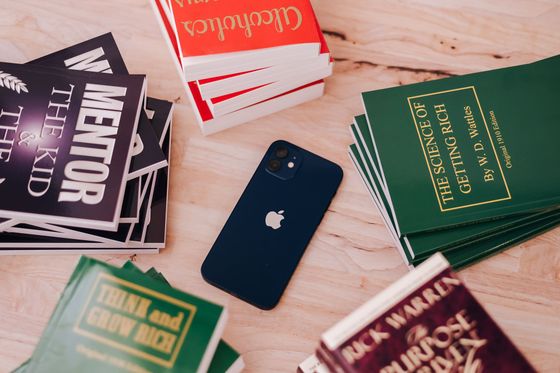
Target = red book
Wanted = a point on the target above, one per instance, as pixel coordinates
(223, 85)
(220, 37)
(234, 101)
(428, 321)
(243, 81)
(225, 26)
(210, 124)
(215, 67)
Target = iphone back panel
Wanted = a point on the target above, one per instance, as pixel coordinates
(267, 233)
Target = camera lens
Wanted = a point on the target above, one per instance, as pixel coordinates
(282, 152)
(274, 165)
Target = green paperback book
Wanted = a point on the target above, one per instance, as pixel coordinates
(467, 149)
(377, 199)
(113, 320)
(225, 359)
(471, 253)
(495, 244)
(422, 245)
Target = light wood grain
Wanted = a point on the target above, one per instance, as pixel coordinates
(377, 44)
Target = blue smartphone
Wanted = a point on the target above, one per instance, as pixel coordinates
(265, 236)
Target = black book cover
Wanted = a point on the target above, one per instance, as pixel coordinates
(48, 236)
(156, 230)
(138, 229)
(124, 232)
(160, 113)
(101, 54)
(155, 226)
(146, 155)
(131, 202)
(144, 186)
(153, 209)
(65, 144)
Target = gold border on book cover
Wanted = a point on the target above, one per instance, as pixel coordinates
(491, 142)
(141, 354)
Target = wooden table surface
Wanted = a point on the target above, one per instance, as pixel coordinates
(377, 44)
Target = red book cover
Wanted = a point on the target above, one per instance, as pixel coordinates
(207, 27)
(438, 327)
(324, 50)
(168, 28)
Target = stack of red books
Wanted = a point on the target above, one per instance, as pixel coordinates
(242, 60)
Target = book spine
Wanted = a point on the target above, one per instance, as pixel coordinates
(324, 355)
(313, 365)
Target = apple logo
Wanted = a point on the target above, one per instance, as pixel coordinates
(274, 219)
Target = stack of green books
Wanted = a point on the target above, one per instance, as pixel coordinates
(466, 166)
(112, 319)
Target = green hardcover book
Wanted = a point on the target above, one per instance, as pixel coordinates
(474, 253)
(226, 359)
(129, 264)
(113, 320)
(55, 316)
(377, 198)
(153, 273)
(22, 368)
(471, 253)
(57, 311)
(423, 245)
(470, 148)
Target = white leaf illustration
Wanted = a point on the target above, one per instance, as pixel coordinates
(11, 82)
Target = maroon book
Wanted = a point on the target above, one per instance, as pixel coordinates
(426, 322)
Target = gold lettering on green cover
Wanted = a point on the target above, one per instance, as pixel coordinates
(458, 149)
(134, 319)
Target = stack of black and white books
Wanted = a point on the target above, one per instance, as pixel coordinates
(84, 155)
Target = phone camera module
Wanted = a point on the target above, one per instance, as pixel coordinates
(274, 165)
(282, 152)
